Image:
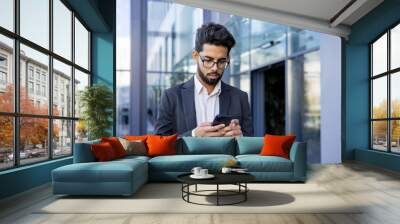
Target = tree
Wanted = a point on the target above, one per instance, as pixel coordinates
(33, 131)
(396, 124)
(6, 122)
(97, 104)
(81, 129)
(380, 127)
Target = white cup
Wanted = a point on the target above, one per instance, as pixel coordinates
(203, 172)
(226, 170)
(196, 170)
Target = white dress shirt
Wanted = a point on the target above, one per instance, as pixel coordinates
(207, 105)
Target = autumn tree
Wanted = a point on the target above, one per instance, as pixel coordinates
(6, 122)
(380, 127)
(33, 131)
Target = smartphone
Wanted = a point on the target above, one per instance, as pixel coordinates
(224, 119)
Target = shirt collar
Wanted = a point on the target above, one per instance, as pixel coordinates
(199, 87)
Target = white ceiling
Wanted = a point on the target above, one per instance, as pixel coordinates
(319, 9)
(317, 15)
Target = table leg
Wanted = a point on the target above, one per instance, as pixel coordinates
(245, 193)
(182, 189)
(196, 188)
(217, 194)
(188, 190)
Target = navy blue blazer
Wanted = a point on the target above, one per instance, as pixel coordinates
(177, 112)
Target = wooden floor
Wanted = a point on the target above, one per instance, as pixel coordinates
(377, 188)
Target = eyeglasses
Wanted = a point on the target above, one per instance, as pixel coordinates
(209, 63)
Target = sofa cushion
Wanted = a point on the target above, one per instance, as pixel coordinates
(103, 152)
(136, 137)
(206, 145)
(161, 145)
(116, 145)
(277, 145)
(111, 171)
(257, 163)
(185, 163)
(132, 158)
(135, 147)
(249, 145)
(83, 152)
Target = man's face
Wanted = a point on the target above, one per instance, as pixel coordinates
(211, 62)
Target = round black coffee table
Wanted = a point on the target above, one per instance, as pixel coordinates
(238, 179)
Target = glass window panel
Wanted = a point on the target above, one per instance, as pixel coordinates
(62, 29)
(311, 111)
(379, 56)
(6, 74)
(379, 97)
(304, 84)
(36, 102)
(301, 40)
(62, 89)
(81, 131)
(155, 88)
(245, 83)
(6, 142)
(234, 80)
(35, 21)
(395, 47)
(123, 66)
(379, 135)
(123, 102)
(123, 35)
(81, 81)
(81, 45)
(395, 136)
(33, 140)
(240, 57)
(169, 45)
(62, 138)
(395, 94)
(7, 14)
(267, 43)
(241, 81)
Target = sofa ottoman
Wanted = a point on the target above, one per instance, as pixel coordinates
(118, 177)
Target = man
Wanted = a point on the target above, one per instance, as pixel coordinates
(189, 108)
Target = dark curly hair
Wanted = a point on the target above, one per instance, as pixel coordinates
(215, 34)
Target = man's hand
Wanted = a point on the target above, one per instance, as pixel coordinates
(206, 130)
(233, 129)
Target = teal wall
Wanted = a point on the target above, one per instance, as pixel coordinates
(102, 59)
(99, 16)
(356, 59)
(103, 53)
(24, 178)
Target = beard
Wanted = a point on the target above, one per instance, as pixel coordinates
(208, 78)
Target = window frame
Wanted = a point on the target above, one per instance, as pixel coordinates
(16, 115)
(388, 74)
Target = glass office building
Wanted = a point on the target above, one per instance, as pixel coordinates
(278, 66)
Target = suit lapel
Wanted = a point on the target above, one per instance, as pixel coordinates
(189, 109)
(224, 99)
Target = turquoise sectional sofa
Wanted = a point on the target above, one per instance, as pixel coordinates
(125, 176)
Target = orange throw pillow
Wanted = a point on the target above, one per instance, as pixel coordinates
(103, 151)
(136, 137)
(161, 145)
(116, 145)
(277, 145)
